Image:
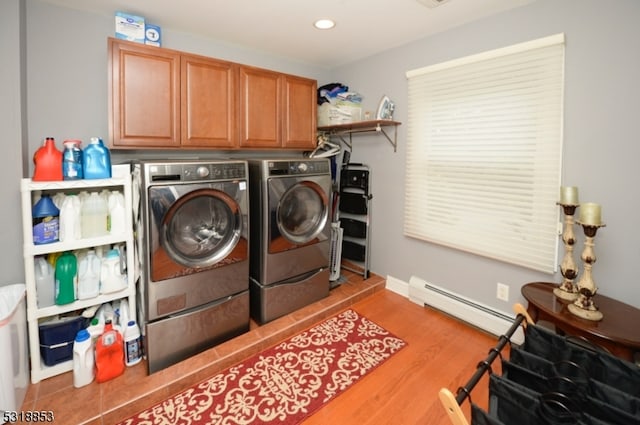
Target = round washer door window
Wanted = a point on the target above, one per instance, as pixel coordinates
(202, 228)
(302, 212)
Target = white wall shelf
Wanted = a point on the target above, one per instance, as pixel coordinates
(29, 189)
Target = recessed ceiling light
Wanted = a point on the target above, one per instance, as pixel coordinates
(324, 24)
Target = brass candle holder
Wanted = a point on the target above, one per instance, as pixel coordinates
(584, 306)
(567, 290)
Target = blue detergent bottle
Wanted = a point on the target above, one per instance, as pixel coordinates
(96, 160)
(46, 221)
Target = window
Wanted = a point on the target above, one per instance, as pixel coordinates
(485, 151)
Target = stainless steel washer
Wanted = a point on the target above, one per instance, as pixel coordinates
(194, 255)
(290, 234)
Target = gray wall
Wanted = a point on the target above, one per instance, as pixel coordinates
(13, 128)
(66, 81)
(601, 151)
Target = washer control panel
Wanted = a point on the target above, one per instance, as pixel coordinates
(196, 171)
(297, 168)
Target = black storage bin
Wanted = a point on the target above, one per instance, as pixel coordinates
(353, 203)
(353, 251)
(354, 228)
(56, 339)
(354, 178)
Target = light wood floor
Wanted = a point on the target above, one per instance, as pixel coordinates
(441, 352)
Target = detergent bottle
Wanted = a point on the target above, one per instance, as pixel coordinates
(111, 277)
(109, 354)
(72, 160)
(117, 214)
(48, 162)
(96, 160)
(89, 276)
(94, 216)
(46, 221)
(66, 278)
(45, 282)
(83, 359)
(132, 344)
(70, 219)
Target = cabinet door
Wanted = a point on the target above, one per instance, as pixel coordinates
(300, 113)
(208, 90)
(144, 96)
(260, 108)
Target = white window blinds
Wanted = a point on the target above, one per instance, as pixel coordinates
(485, 151)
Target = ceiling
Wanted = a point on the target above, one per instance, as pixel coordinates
(285, 27)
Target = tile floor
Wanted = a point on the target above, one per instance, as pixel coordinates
(115, 400)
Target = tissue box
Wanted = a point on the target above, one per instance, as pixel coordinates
(130, 27)
(339, 113)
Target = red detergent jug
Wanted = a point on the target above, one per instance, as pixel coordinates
(109, 354)
(48, 162)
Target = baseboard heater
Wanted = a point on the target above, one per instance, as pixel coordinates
(476, 314)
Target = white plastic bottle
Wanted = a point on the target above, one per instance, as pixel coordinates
(122, 313)
(116, 213)
(83, 359)
(45, 282)
(70, 219)
(89, 276)
(111, 279)
(132, 344)
(94, 216)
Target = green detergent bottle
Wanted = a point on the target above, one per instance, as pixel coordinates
(66, 275)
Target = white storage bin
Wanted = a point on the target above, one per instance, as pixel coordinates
(14, 357)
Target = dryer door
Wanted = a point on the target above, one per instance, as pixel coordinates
(299, 211)
(194, 231)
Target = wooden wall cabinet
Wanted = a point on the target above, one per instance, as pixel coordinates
(208, 106)
(144, 98)
(162, 98)
(300, 112)
(277, 110)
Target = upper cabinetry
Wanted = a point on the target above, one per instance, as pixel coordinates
(377, 126)
(162, 98)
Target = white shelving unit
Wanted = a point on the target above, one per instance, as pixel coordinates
(121, 180)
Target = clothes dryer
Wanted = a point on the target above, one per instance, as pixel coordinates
(193, 245)
(290, 234)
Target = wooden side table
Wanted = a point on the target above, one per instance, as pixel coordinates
(618, 331)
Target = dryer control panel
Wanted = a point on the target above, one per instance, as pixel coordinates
(297, 168)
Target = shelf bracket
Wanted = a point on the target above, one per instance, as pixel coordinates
(364, 127)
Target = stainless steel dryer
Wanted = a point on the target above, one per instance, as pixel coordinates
(290, 234)
(194, 255)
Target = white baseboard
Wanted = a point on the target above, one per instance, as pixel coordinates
(398, 286)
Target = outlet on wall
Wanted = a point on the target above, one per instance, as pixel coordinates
(502, 292)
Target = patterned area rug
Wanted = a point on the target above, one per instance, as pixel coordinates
(285, 383)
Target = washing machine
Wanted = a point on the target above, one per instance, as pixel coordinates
(290, 234)
(193, 248)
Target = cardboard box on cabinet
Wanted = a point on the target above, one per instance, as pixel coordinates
(341, 112)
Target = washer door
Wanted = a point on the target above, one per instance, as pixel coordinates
(196, 232)
(301, 215)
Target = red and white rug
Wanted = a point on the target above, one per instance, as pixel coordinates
(285, 383)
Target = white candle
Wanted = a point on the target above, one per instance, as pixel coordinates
(590, 214)
(569, 195)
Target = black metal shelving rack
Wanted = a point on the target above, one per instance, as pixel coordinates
(355, 217)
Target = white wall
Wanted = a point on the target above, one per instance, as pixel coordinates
(601, 151)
